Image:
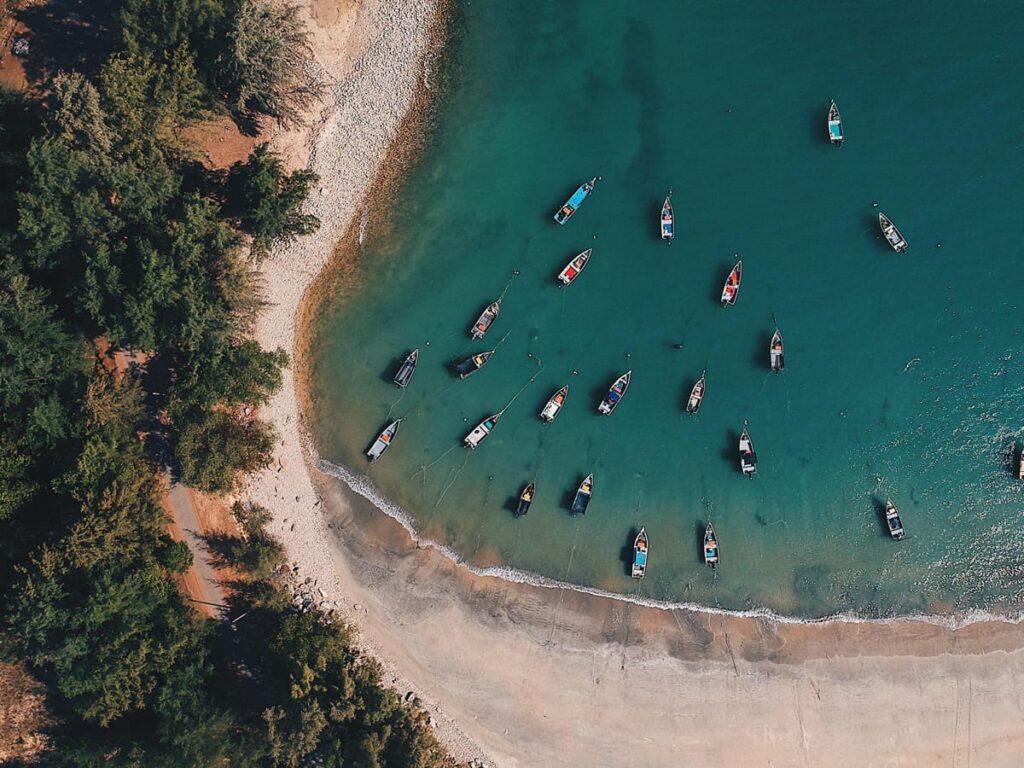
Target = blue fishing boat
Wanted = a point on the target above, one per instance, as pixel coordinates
(835, 125)
(640, 554)
(571, 205)
(582, 498)
(615, 394)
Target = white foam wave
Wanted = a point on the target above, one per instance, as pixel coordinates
(365, 488)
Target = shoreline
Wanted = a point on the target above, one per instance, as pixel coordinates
(491, 658)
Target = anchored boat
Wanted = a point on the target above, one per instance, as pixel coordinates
(710, 546)
(583, 494)
(407, 368)
(667, 230)
(486, 320)
(892, 235)
(554, 404)
(383, 441)
(697, 393)
(472, 364)
(525, 499)
(731, 289)
(835, 125)
(893, 522)
(748, 458)
(776, 351)
(571, 205)
(573, 268)
(615, 394)
(640, 554)
(1020, 466)
(480, 432)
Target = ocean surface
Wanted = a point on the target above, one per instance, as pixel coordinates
(905, 373)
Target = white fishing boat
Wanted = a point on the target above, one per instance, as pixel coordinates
(697, 393)
(383, 441)
(480, 432)
(748, 457)
(731, 289)
(486, 320)
(892, 235)
(835, 125)
(554, 404)
(615, 394)
(668, 232)
(574, 267)
(893, 522)
(639, 555)
(407, 368)
(776, 352)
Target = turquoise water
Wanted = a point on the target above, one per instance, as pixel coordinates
(904, 372)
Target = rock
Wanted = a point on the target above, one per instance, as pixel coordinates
(357, 607)
(410, 696)
(433, 723)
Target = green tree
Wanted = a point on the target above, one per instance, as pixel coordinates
(76, 115)
(217, 446)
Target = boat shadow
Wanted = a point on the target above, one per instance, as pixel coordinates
(760, 356)
(389, 373)
(870, 222)
(879, 507)
(815, 123)
(626, 553)
(1011, 458)
(731, 453)
(698, 538)
(512, 505)
(569, 494)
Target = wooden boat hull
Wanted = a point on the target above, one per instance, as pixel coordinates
(554, 404)
(570, 206)
(486, 320)
(407, 368)
(383, 441)
(525, 500)
(731, 289)
(893, 522)
(892, 235)
(697, 394)
(471, 365)
(710, 546)
(581, 500)
(667, 221)
(640, 555)
(615, 394)
(481, 431)
(575, 267)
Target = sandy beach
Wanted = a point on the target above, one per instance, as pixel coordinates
(521, 675)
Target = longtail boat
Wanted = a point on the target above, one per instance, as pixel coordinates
(407, 368)
(480, 432)
(892, 235)
(731, 289)
(383, 441)
(583, 494)
(835, 125)
(697, 393)
(640, 554)
(525, 499)
(710, 546)
(667, 220)
(748, 457)
(776, 352)
(472, 364)
(574, 267)
(893, 522)
(615, 394)
(572, 205)
(486, 320)
(554, 404)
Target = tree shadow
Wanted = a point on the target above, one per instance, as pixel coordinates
(68, 35)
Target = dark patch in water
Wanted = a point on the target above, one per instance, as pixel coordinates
(731, 451)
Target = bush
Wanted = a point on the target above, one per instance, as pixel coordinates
(214, 449)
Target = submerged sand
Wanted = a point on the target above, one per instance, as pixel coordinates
(524, 675)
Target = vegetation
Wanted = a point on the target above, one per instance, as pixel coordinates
(109, 228)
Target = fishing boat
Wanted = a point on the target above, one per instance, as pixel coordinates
(525, 499)
(554, 404)
(615, 394)
(583, 494)
(748, 458)
(383, 441)
(573, 268)
(640, 554)
(710, 546)
(731, 289)
(893, 522)
(486, 320)
(407, 368)
(697, 393)
(893, 235)
(776, 352)
(835, 125)
(1020, 466)
(667, 229)
(480, 432)
(472, 364)
(571, 205)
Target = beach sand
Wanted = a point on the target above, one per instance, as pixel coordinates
(522, 675)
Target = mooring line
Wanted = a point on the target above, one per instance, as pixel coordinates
(425, 467)
(451, 482)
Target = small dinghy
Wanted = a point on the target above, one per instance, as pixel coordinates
(893, 522)
(583, 494)
(480, 432)
(710, 546)
(615, 394)
(486, 320)
(1020, 466)
(731, 289)
(697, 393)
(383, 441)
(525, 499)
(893, 235)
(554, 404)
(471, 365)
(748, 458)
(572, 205)
(407, 368)
(573, 268)
(835, 125)
(777, 352)
(667, 229)
(640, 554)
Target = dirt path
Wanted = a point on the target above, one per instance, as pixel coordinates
(200, 581)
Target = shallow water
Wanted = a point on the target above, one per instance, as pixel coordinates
(903, 371)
